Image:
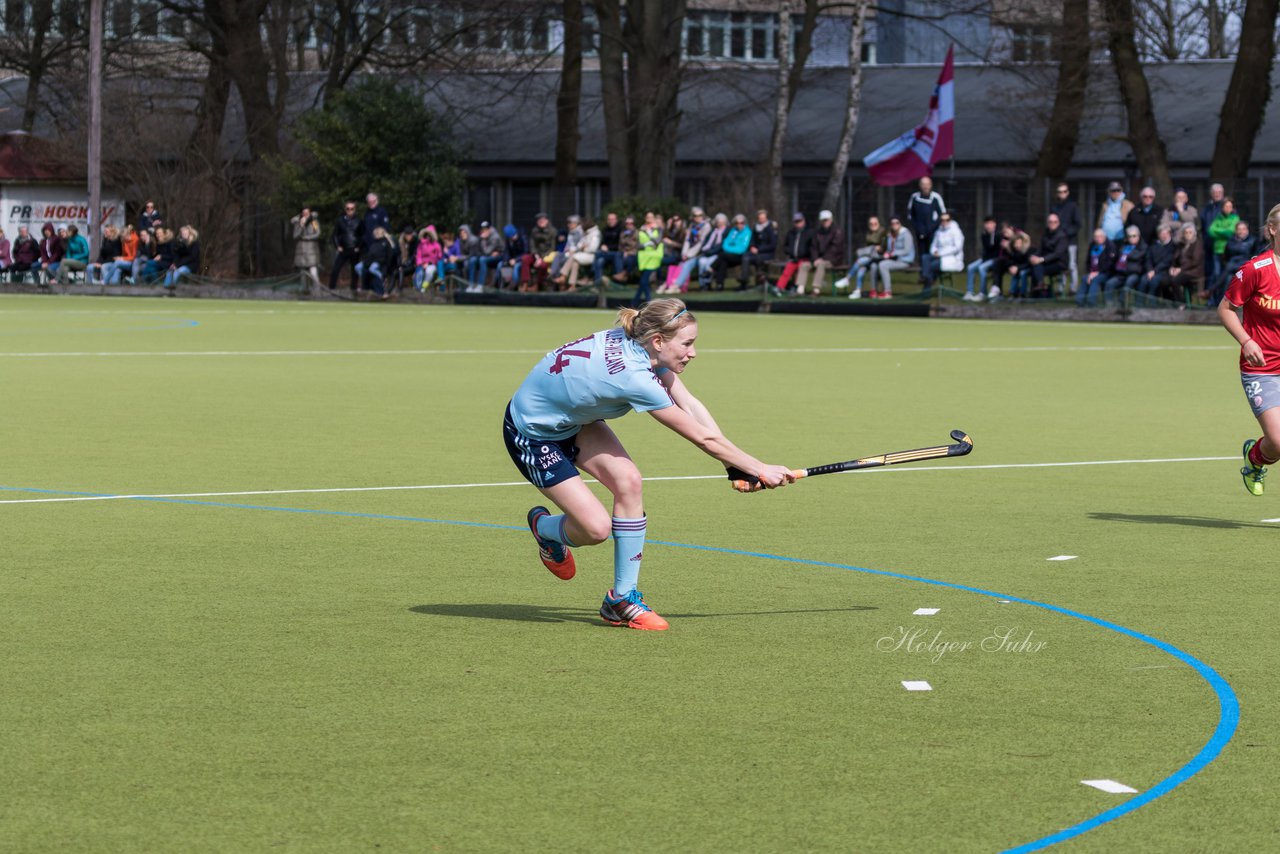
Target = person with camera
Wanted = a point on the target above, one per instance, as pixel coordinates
(306, 249)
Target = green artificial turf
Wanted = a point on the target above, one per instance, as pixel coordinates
(394, 670)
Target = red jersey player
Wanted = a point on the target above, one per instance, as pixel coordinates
(1256, 289)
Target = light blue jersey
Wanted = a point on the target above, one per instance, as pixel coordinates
(602, 376)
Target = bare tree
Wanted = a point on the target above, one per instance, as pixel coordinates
(569, 98)
(853, 101)
(1063, 132)
(39, 44)
(1144, 133)
(641, 58)
(1245, 103)
(781, 110)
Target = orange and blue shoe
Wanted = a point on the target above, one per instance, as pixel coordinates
(630, 611)
(555, 556)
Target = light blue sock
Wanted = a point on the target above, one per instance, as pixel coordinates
(628, 550)
(552, 528)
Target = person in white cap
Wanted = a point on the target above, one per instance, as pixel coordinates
(828, 252)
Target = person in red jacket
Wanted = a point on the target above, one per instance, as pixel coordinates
(1255, 293)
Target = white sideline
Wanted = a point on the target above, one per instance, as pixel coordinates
(74, 498)
(526, 352)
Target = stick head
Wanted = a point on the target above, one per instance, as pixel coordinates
(963, 444)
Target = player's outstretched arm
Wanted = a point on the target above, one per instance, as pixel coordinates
(714, 443)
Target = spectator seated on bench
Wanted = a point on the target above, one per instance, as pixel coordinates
(899, 254)
(828, 253)
(76, 259)
(946, 251)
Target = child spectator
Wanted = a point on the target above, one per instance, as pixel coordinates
(427, 258)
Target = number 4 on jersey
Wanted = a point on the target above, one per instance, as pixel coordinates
(563, 354)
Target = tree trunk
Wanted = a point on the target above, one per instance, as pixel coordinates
(1245, 103)
(248, 66)
(568, 99)
(1144, 134)
(653, 78)
(857, 28)
(1059, 144)
(803, 47)
(613, 92)
(781, 112)
(210, 116)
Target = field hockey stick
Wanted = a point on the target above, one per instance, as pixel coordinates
(962, 446)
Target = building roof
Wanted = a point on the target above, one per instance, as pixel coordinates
(28, 158)
(726, 114)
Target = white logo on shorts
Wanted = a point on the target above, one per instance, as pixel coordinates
(545, 449)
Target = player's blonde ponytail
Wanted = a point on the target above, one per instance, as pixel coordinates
(662, 317)
(1271, 227)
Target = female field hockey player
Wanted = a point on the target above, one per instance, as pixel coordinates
(1256, 288)
(556, 424)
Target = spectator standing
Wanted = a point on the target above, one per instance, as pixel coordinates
(899, 253)
(1102, 264)
(149, 219)
(306, 246)
(1240, 248)
(1114, 213)
(733, 252)
(1069, 216)
(1210, 210)
(1130, 265)
(1219, 232)
(186, 257)
(649, 256)
(1052, 258)
(1186, 276)
(982, 266)
(828, 252)
(346, 247)
(426, 259)
(873, 240)
(375, 216)
(764, 246)
(76, 257)
(797, 250)
(610, 252)
(108, 250)
(51, 252)
(26, 255)
(407, 247)
(542, 244)
(925, 210)
(1180, 212)
(947, 250)
(1155, 281)
(1146, 215)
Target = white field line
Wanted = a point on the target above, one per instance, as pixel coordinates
(76, 498)
(526, 352)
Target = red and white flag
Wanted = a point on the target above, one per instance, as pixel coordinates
(913, 154)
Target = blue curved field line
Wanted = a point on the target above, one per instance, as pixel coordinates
(173, 324)
(1228, 704)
